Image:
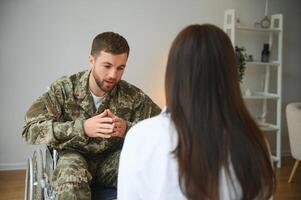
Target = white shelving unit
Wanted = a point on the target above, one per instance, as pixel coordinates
(269, 94)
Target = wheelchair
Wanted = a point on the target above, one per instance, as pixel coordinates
(40, 167)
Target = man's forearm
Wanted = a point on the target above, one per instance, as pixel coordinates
(56, 134)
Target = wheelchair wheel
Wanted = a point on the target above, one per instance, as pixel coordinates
(50, 164)
(29, 181)
(38, 171)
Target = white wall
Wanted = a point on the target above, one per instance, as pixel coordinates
(40, 40)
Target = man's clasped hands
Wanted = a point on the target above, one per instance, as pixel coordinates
(105, 125)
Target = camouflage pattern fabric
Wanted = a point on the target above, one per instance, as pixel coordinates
(56, 118)
(72, 178)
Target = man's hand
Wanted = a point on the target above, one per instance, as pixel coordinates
(100, 125)
(119, 125)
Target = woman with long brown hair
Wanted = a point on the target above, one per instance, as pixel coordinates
(205, 145)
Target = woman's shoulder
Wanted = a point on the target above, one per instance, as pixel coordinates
(154, 125)
(151, 133)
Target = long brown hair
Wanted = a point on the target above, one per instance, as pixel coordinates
(214, 127)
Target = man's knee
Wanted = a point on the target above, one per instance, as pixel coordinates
(73, 191)
(71, 179)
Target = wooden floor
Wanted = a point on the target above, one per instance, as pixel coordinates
(286, 191)
(12, 183)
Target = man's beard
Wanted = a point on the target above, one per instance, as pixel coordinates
(101, 84)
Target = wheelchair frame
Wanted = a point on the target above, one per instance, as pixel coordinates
(39, 171)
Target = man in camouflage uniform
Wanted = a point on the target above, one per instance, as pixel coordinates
(85, 117)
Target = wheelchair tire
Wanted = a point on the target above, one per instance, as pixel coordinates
(38, 171)
(49, 164)
(29, 181)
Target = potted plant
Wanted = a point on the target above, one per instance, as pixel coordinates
(241, 57)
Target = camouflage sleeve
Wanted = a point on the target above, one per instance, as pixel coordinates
(42, 124)
(145, 108)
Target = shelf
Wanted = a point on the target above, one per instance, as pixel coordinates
(266, 88)
(267, 126)
(245, 28)
(261, 95)
(258, 63)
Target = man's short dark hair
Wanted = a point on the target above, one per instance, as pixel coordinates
(109, 42)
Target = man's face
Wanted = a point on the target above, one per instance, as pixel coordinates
(107, 70)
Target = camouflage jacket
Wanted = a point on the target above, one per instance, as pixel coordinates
(56, 118)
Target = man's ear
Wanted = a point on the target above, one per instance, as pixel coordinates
(91, 61)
